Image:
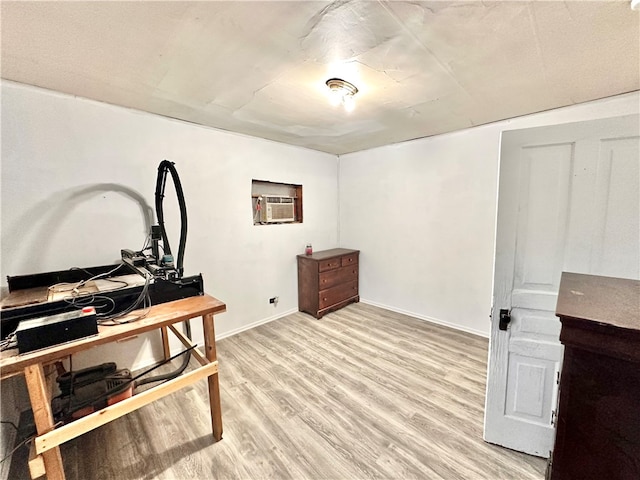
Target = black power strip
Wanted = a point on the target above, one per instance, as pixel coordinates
(43, 332)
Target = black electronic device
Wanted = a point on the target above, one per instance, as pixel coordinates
(134, 258)
(91, 389)
(160, 280)
(43, 332)
(85, 391)
(159, 290)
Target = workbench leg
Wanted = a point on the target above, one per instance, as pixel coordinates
(165, 342)
(41, 406)
(214, 387)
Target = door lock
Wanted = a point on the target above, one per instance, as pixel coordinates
(505, 319)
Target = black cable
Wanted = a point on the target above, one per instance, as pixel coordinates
(160, 185)
(90, 301)
(96, 277)
(144, 296)
(166, 376)
(188, 350)
(164, 167)
(21, 444)
(125, 385)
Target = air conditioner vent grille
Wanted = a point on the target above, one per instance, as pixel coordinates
(281, 212)
(278, 199)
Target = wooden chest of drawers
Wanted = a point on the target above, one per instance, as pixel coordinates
(327, 280)
(598, 423)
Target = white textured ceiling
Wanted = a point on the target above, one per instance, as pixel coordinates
(259, 68)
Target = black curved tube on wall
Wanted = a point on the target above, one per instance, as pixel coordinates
(164, 167)
(161, 182)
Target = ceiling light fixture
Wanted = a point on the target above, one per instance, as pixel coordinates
(635, 5)
(342, 92)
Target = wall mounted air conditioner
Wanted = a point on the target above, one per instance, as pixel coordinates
(275, 209)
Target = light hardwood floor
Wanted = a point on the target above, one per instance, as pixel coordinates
(361, 393)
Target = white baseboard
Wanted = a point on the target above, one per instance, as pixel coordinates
(256, 324)
(427, 319)
(149, 361)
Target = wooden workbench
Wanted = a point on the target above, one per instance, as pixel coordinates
(45, 456)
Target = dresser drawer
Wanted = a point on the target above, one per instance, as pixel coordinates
(350, 259)
(329, 264)
(337, 294)
(337, 276)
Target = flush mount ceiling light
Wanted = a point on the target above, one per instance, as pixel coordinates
(342, 92)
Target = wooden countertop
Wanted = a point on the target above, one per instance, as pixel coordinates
(606, 300)
(158, 316)
(324, 254)
(600, 314)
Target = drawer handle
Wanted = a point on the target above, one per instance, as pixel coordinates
(325, 299)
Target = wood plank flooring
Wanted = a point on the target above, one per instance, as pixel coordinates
(361, 393)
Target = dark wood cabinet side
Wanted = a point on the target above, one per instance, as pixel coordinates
(307, 285)
(598, 426)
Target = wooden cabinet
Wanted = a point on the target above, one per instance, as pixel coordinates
(327, 280)
(598, 425)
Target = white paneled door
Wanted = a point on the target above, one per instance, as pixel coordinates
(568, 201)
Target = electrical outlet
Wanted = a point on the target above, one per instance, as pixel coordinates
(273, 300)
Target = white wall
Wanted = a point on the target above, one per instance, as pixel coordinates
(78, 182)
(423, 215)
